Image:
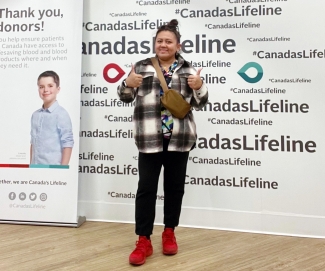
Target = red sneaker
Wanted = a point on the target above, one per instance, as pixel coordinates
(143, 249)
(169, 242)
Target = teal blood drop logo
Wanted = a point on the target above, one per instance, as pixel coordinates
(257, 78)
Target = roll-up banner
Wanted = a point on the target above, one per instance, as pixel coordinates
(258, 164)
(40, 65)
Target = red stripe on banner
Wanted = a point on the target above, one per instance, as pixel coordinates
(19, 165)
(15, 165)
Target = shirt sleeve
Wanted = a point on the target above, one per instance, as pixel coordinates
(31, 129)
(65, 130)
(200, 97)
(126, 95)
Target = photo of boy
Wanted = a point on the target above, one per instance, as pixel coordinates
(51, 128)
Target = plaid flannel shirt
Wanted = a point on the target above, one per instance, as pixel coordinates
(147, 111)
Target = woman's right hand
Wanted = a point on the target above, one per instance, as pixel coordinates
(133, 80)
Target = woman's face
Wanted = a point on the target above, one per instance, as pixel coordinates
(166, 45)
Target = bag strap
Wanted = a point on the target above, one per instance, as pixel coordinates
(159, 74)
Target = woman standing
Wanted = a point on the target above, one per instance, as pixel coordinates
(161, 138)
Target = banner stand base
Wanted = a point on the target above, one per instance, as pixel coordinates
(81, 220)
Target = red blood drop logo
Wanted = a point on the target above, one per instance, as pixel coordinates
(117, 77)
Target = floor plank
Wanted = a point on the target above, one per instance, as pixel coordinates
(106, 246)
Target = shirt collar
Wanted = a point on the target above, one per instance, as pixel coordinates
(51, 108)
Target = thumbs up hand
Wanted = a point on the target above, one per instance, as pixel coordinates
(133, 80)
(194, 81)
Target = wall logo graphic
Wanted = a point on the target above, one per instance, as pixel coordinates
(116, 67)
(257, 78)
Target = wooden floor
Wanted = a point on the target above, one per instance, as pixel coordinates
(106, 246)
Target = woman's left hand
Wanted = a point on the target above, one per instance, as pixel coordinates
(194, 81)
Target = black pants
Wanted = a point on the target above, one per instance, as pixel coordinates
(174, 181)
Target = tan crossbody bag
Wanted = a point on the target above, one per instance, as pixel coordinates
(171, 99)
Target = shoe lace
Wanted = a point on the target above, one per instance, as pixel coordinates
(169, 237)
(140, 245)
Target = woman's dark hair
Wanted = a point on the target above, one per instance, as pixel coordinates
(172, 26)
